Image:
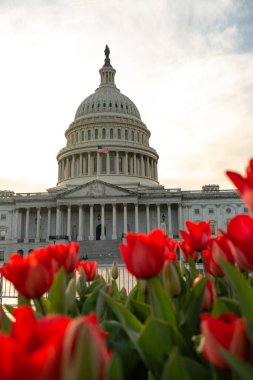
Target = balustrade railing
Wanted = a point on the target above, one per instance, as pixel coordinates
(9, 295)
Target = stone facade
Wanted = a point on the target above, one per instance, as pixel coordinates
(107, 184)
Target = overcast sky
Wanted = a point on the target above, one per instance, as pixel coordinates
(186, 64)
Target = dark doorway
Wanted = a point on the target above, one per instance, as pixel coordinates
(98, 232)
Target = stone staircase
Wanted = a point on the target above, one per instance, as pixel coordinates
(102, 251)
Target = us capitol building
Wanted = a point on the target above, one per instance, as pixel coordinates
(107, 184)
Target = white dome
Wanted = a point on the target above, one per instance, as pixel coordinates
(107, 99)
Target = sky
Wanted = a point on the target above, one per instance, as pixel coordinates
(186, 64)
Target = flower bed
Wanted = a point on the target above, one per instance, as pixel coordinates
(173, 324)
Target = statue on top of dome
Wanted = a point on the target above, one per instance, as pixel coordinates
(107, 59)
(107, 52)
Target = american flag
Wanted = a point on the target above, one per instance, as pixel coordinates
(102, 150)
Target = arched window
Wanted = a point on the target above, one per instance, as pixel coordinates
(119, 133)
(89, 134)
(132, 134)
(111, 133)
(76, 137)
(126, 134)
(103, 133)
(82, 135)
(138, 136)
(96, 134)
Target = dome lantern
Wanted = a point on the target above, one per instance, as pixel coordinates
(107, 72)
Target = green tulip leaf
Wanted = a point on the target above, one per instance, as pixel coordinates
(191, 310)
(56, 295)
(161, 304)
(181, 367)
(244, 293)
(114, 370)
(130, 323)
(141, 310)
(91, 298)
(70, 294)
(157, 340)
(81, 285)
(225, 305)
(243, 370)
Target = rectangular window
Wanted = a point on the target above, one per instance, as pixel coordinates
(1, 255)
(211, 211)
(103, 164)
(196, 211)
(3, 216)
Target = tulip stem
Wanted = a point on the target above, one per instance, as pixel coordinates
(42, 307)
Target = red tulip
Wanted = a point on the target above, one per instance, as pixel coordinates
(144, 254)
(240, 233)
(87, 329)
(198, 236)
(90, 268)
(170, 256)
(228, 332)
(33, 348)
(209, 293)
(219, 248)
(187, 251)
(171, 244)
(244, 184)
(67, 256)
(32, 275)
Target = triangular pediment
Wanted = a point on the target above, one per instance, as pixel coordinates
(96, 189)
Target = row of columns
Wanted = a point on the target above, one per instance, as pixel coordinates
(83, 164)
(80, 235)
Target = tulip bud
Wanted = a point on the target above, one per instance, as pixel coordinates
(209, 293)
(123, 294)
(115, 270)
(171, 280)
(181, 268)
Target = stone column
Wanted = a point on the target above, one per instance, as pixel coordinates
(68, 174)
(125, 218)
(37, 239)
(91, 237)
(108, 163)
(59, 171)
(89, 164)
(147, 219)
(69, 223)
(26, 240)
(58, 221)
(15, 234)
(180, 217)
(126, 163)
(158, 216)
(136, 215)
(73, 166)
(117, 162)
(102, 236)
(114, 221)
(142, 166)
(80, 223)
(135, 165)
(48, 223)
(80, 164)
(169, 221)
